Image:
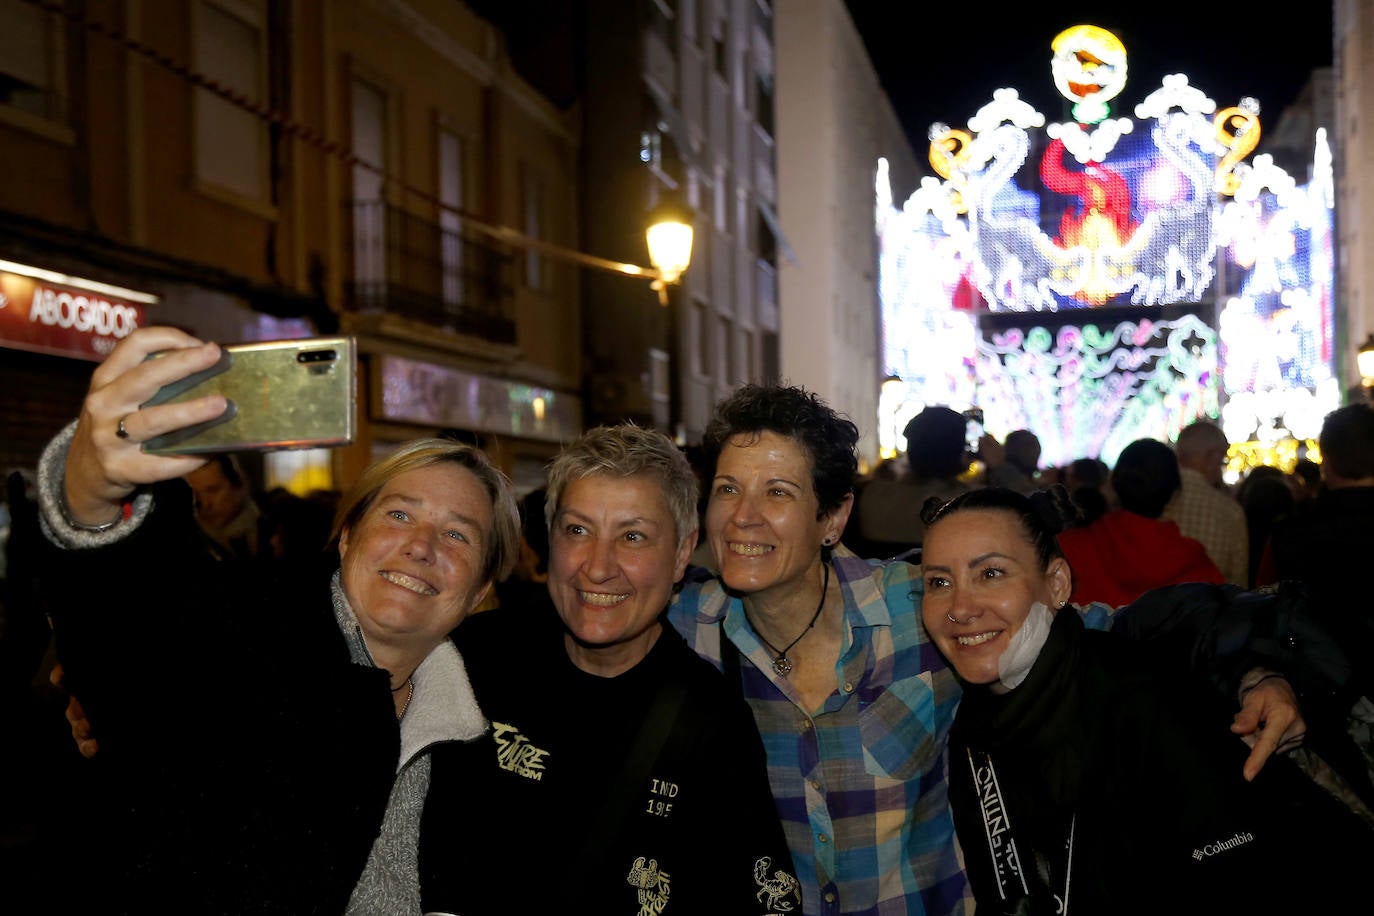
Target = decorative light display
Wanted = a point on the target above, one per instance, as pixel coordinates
(1109, 278)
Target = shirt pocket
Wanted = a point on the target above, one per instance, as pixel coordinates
(897, 728)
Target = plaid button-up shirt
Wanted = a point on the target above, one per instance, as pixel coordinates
(860, 783)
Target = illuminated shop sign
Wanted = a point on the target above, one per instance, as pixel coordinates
(53, 313)
(993, 272)
(441, 396)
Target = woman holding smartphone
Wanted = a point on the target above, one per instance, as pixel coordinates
(265, 743)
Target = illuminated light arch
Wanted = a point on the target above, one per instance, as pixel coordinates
(1021, 278)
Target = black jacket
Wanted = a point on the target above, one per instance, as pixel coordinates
(1103, 741)
(1327, 544)
(245, 761)
(545, 813)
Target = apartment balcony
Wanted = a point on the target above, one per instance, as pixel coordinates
(414, 268)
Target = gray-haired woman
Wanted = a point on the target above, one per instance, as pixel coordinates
(622, 770)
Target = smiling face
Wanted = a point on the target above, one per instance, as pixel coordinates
(761, 519)
(413, 563)
(981, 576)
(614, 555)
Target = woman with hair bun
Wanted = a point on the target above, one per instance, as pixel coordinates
(1086, 775)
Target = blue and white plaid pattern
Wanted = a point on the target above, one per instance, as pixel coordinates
(860, 786)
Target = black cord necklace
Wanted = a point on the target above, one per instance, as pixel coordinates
(781, 663)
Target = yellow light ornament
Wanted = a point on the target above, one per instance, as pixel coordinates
(1238, 130)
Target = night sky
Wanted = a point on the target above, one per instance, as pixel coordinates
(941, 62)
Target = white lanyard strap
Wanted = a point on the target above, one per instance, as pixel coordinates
(1006, 860)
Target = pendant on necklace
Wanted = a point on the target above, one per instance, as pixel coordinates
(782, 665)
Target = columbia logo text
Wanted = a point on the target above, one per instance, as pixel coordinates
(1217, 848)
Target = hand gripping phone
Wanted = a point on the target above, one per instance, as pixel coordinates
(283, 394)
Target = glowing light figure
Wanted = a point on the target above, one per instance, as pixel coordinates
(1089, 69)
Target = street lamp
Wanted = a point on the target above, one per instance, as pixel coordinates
(669, 236)
(1364, 361)
(670, 247)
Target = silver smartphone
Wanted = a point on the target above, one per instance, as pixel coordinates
(283, 394)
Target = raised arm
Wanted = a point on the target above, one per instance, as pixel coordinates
(83, 488)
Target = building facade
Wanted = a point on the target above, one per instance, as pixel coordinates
(834, 124)
(251, 169)
(678, 106)
(1353, 159)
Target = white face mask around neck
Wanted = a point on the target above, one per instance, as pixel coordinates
(1023, 649)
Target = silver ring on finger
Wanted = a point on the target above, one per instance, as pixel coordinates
(120, 431)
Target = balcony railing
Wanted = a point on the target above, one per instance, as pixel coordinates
(412, 267)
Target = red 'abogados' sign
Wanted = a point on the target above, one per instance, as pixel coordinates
(63, 320)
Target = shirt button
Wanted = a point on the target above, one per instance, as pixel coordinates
(816, 784)
(806, 725)
(829, 897)
(848, 687)
(824, 838)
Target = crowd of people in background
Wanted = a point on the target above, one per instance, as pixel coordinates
(1178, 487)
